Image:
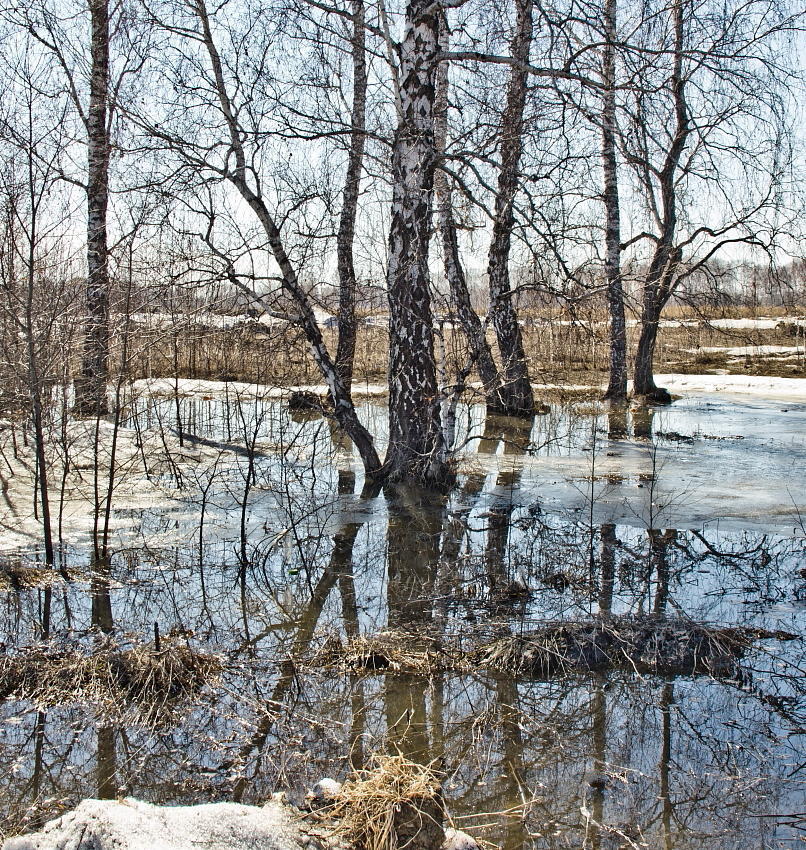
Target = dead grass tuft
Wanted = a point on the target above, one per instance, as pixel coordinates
(113, 679)
(395, 803)
(644, 645)
(16, 576)
(390, 651)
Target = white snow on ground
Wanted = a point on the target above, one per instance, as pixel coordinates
(757, 324)
(223, 321)
(750, 350)
(744, 324)
(139, 460)
(793, 389)
(133, 825)
(765, 387)
(205, 318)
(218, 389)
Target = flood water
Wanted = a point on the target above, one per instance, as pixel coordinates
(690, 513)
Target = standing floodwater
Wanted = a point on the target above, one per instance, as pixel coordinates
(596, 636)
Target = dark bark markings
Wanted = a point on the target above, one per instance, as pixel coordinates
(617, 386)
(91, 385)
(515, 395)
(345, 354)
(416, 450)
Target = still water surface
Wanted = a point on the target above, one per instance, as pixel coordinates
(691, 513)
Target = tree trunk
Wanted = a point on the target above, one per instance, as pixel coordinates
(643, 378)
(659, 283)
(343, 408)
(345, 354)
(515, 395)
(91, 385)
(617, 385)
(416, 450)
(469, 320)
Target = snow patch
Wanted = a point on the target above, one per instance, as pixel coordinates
(219, 389)
(133, 825)
(793, 389)
(749, 350)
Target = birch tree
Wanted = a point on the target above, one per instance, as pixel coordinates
(92, 383)
(515, 393)
(416, 445)
(228, 148)
(617, 382)
(94, 89)
(345, 354)
(472, 326)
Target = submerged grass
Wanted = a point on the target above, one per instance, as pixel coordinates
(17, 576)
(647, 645)
(113, 679)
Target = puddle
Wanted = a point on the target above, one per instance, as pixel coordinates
(686, 515)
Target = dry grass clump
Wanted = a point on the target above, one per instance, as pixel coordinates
(395, 803)
(392, 651)
(113, 679)
(15, 576)
(644, 645)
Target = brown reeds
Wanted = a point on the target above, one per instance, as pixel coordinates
(647, 645)
(393, 804)
(17, 576)
(114, 680)
(561, 349)
(391, 651)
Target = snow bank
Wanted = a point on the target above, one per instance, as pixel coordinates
(133, 825)
(790, 389)
(765, 387)
(218, 389)
(749, 350)
(217, 321)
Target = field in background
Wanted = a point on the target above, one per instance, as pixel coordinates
(561, 349)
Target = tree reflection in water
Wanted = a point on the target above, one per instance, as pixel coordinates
(583, 760)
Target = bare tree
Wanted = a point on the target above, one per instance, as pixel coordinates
(416, 445)
(237, 167)
(515, 393)
(345, 353)
(716, 112)
(51, 29)
(666, 257)
(35, 294)
(472, 326)
(91, 388)
(617, 384)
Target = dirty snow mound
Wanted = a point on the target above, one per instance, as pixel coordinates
(134, 825)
